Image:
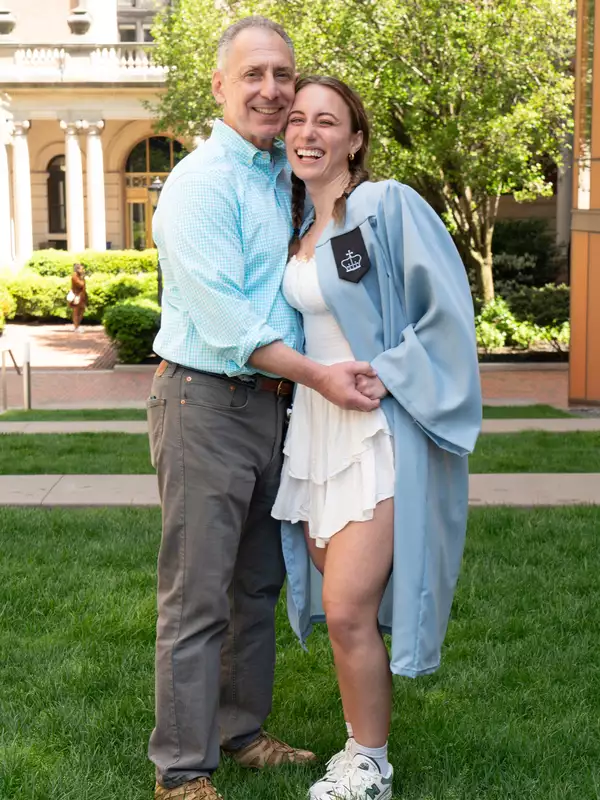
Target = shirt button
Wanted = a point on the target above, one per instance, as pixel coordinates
(183, 402)
(188, 379)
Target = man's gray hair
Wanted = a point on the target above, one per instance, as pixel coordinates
(244, 24)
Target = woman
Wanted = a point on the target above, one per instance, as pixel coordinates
(77, 297)
(377, 278)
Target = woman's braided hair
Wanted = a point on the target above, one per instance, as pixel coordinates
(357, 166)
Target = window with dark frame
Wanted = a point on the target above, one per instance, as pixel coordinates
(135, 19)
(57, 196)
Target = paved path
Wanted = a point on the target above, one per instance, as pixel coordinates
(140, 426)
(83, 426)
(59, 346)
(141, 490)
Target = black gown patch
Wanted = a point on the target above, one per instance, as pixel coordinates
(350, 255)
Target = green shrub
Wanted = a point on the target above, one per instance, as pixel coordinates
(44, 297)
(2, 322)
(60, 263)
(498, 314)
(488, 336)
(545, 306)
(526, 242)
(105, 291)
(511, 272)
(132, 326)
(559, 336)
(7, 303)
(496, 326)
(38, 297)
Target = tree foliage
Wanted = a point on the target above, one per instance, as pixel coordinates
(469, 99)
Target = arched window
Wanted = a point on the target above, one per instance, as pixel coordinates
(152, 158)
(157, 154)
(57, 210)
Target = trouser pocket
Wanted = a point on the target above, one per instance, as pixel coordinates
(155, 410)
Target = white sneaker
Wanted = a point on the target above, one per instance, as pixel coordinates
(336, 768)
(362, 780)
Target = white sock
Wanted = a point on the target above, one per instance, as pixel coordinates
(377, 754)
(349, 729)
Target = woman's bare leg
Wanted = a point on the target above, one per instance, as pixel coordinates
(358, 562)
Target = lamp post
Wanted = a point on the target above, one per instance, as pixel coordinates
(154, 191)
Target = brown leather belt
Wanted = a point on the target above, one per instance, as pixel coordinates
(282, 388)
(260, 383)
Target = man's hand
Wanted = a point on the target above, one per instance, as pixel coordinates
(339, 385)
(371, 387)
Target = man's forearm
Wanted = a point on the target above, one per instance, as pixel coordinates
(336, 383)
(279, 359)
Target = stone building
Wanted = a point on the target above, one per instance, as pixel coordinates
(77, 147)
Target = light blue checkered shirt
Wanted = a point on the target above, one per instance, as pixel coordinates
(222, 228)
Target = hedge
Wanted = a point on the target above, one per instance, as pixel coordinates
(548, 305)
(496, 326)
(132, 326)
(32, 296)
(525, 252)
(113, 262)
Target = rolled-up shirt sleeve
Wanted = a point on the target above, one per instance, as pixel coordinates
(198, 225)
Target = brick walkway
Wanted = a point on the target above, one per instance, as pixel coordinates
(59, 346)
(74, 370)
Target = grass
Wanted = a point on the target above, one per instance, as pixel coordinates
(69, 453)
(524, 412)
(82, 414)
(77, 414)
(513, 712)
(537, 451)
(118, 453)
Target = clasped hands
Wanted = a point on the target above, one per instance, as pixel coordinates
(352, 385)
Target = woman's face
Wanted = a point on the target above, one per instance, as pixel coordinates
(319, 136)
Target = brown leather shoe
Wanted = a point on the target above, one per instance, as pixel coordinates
(267, 751)
(198, 789)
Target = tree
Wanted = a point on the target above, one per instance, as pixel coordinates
(469, 99)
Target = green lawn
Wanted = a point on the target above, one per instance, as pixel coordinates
(42, 415)
(512, 714)
(67, 415)
(537, 451)
(523, 412)
(118, 453)
(69, 453)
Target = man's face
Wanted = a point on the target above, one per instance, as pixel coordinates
(256, 85)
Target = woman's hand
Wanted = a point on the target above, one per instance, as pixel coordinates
(371, 387)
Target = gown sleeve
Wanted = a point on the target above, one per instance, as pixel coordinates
(433, 370)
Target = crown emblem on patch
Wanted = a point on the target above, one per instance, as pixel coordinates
(352, 261)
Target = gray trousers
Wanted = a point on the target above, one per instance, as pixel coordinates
(217, 448)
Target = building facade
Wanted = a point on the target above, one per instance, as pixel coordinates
(584, 368)
(77, 147)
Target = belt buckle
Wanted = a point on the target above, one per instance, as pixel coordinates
(279, 388)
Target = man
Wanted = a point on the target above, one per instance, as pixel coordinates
(217, 418)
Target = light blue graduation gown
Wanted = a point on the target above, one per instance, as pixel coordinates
(411, 317)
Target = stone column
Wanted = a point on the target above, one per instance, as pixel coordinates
(22, 192)
(74, 187)
(6, 255)
(564, 198)
(96, 200)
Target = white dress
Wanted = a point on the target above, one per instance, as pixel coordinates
(338, 464)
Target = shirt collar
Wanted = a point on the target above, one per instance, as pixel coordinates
(245, 152)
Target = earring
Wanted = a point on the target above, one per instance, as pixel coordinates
(350, 156)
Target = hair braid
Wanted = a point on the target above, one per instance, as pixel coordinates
(358, 174)
(298, 197)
